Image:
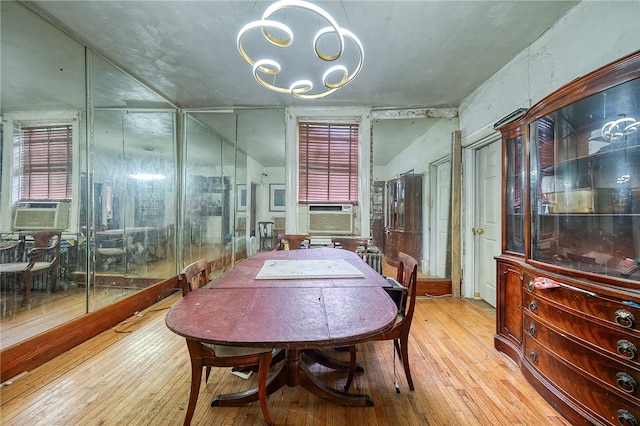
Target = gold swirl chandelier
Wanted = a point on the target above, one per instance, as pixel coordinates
(266, 70)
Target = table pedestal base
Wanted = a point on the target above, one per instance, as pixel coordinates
(294, 373)
(321, 358)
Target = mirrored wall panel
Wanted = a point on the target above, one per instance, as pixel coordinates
(42, 135)
(132, 180)
(88, 183)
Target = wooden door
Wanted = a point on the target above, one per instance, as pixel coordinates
(487, 229)
(440, 263)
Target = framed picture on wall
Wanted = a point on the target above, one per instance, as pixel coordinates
(276, 197)
(242, 198)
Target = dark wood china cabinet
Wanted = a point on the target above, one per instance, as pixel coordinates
(403, 217)
(568, 278)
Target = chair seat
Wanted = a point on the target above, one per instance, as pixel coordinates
(111, 251)
(13, 267)
(22, 266)
(233, 351)
(40, 266)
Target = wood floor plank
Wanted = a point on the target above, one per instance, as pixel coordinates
(138, 373)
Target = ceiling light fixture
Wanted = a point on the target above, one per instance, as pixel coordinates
(333, 77)
(147, 176)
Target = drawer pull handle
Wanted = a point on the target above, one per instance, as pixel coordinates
(533, 355)
(625, 418)
(625, 318)
(533, 306)
(626, 382)
(627, 350)
(532, 329)
(531, 287)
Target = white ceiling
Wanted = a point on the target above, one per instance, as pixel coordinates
(418, 54)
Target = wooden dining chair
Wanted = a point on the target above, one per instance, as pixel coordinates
(292, 240)
(192, 277)
(404, 290)
(34, 253)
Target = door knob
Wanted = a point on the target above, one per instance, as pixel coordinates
(477, 231)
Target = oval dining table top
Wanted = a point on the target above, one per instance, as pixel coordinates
(240, 310)
(288, 317)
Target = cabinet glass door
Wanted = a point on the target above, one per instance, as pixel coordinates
(401, 201)
(392, 205)
(514, 206)
(585, 184)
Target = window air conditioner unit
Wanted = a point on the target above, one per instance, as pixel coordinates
(331, 219)
(41, 215)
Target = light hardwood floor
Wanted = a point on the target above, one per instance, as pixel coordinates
(138, 373)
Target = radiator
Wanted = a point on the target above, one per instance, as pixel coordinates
(373, 259)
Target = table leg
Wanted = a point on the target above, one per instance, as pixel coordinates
(277, 381)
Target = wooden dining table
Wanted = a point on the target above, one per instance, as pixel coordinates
(340, 301)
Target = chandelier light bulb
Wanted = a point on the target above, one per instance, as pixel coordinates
(615, 130)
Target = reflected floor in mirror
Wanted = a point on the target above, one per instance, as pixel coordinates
(47, 310)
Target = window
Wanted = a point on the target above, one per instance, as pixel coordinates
(45, 162)
(328, 168)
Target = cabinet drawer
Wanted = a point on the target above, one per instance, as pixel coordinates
(621, 343)
(615, 312)
(610, 407)
(624, 377)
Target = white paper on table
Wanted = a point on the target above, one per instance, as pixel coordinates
(300, 269)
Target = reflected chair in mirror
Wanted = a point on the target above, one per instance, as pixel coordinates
(112, 252)
(403, 291)
(192, 277)
(291, 241)
(170, 241)
(279, 226)
(34, 254)
(266, 235)
(155, 245)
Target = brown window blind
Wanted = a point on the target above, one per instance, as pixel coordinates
(546, 142)
(328, 168)
(46, 162)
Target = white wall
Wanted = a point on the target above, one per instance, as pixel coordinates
(433, 145)
(589, 36)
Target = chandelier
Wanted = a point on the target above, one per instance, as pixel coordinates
(617, 129)
(267, 69)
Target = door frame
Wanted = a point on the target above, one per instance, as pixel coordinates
(470, 283)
